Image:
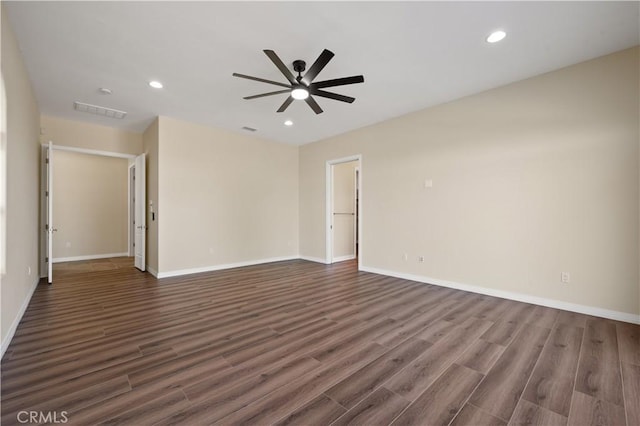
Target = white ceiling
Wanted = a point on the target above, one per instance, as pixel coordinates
(413, 55)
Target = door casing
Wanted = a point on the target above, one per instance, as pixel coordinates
(47, 181)
(329, 207)
(139, 253)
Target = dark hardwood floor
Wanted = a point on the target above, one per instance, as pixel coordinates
(298, 342)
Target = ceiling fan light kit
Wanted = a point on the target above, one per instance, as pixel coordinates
(300, 93)
(302, 87)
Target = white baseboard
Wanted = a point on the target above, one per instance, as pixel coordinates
(314, 259)
(89, 257)
(16, 321)
(343, 258)
(151, 271)
(520, 297)
(223, 266)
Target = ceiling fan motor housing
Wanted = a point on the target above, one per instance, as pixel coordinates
(299, 66)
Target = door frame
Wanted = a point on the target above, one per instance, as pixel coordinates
(43, 173)
(130, 208)
(140, 213)
(49, 229)
(329, 207)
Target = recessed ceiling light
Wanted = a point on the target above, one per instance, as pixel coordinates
(496, 36)
(288, 123)
(155, 84)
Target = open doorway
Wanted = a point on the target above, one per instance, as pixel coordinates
(344, 213)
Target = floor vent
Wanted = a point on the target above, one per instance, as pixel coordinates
(98, 110)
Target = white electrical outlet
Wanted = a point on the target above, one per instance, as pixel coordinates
(565, 277)
(405, 257)
(29, 270)
(420, 258)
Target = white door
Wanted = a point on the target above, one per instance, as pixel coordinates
(49, 228)
(344, 211)
(140, 216)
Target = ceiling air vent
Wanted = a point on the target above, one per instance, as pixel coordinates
(248, 129)
(98, 110)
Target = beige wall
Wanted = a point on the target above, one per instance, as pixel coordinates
(225, 197)
(23, 159)
(150, 147)
(89, 136)
(89, 205)
(529, 180)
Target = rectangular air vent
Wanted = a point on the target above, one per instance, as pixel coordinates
(98, 110)
(248, 129)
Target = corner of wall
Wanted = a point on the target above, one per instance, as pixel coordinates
(150, 146)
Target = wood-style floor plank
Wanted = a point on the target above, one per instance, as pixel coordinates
(629, 342)
(416, 324)
(380, 407)
(500, 391)
(436, 330)
(481, 355)
(543, 317)
(212, 404)
(589, 411)
(363, 382)
(531, 414)
(160, 387)
(440, 403)
(552, 381)
(572, 318)
(631, 382)
(301, 391)
(505, 329)
(298, 342)
(15, 403)
(421, 373)
(599, 367)
(474, 416)
(321, 411)
(150, 413)
(79, 399)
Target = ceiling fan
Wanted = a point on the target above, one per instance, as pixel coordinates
(302, 86)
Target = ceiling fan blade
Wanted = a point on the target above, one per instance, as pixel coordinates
(317, 66)
(248, 77)
(286, 104)
(282, 67)
(313, 104)
(334, 96)
(338, 82)
(278, 92)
